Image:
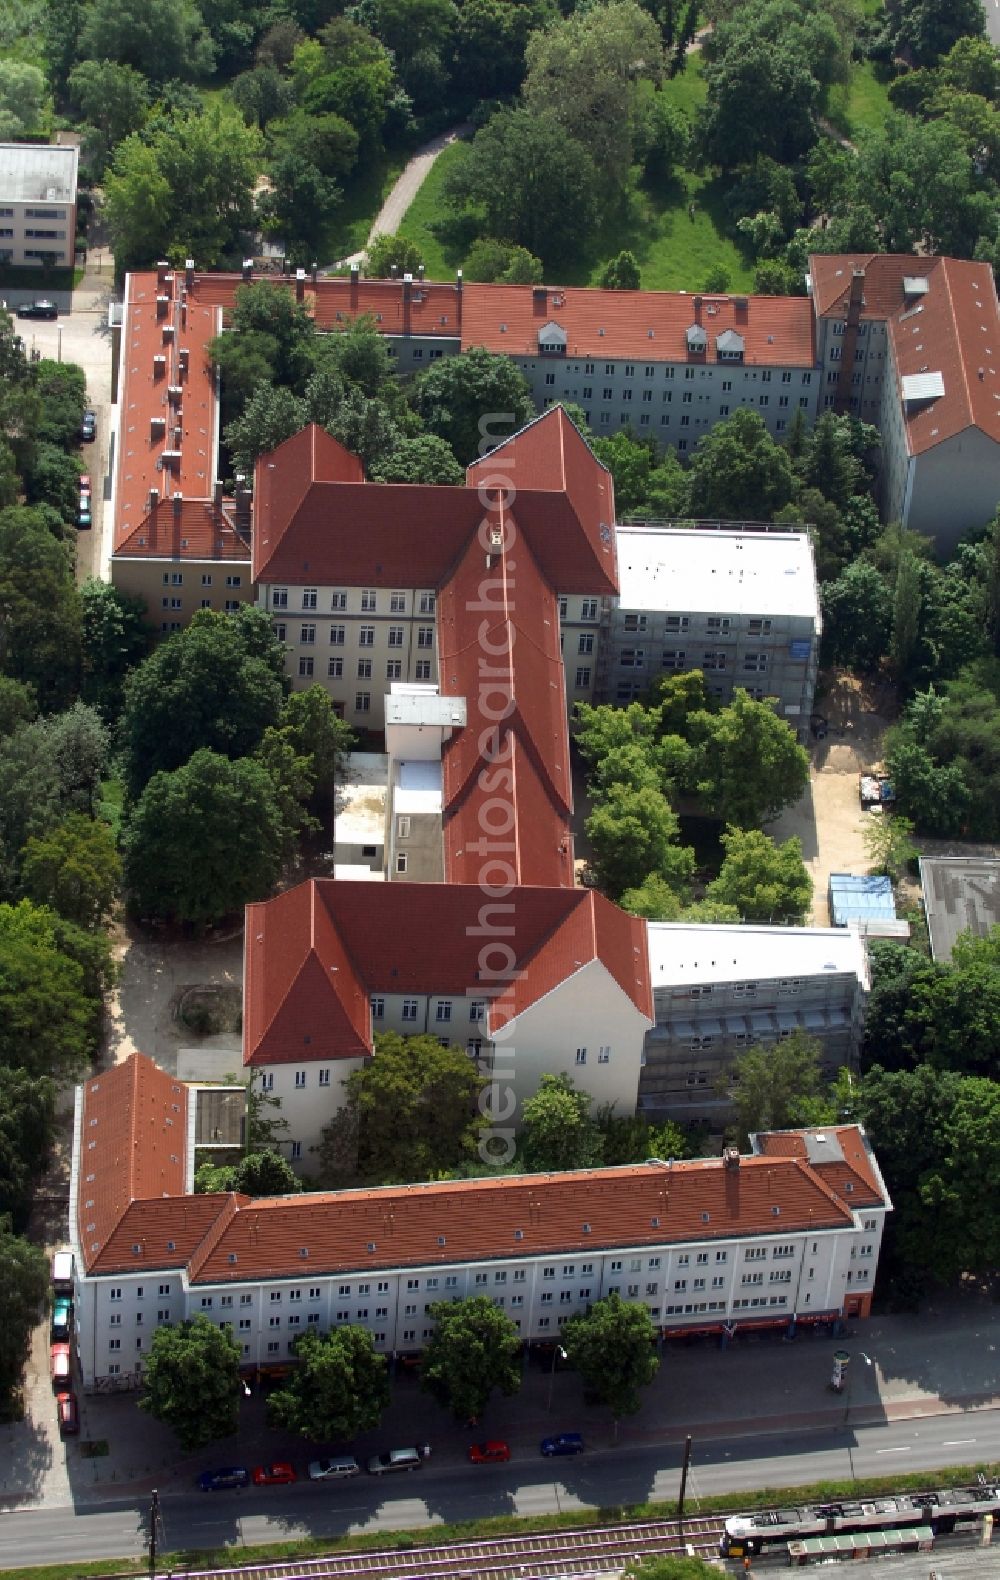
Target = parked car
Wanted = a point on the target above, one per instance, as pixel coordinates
(60, 1364)
(62, 1317)
(62, 1272)
(222, 1480)
(68, 1414)
(334, 1469)
(562, 1443)
(84, 519)
(395, 1459)
(493, 1453)
(279, 1475)
(88, 427)
(43, 308)
(85, 482)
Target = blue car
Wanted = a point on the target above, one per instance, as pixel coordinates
(222, 1480)
(563, 1443)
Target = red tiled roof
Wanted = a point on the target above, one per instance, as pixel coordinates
(316, 953)
(498, 646)
(953, 328)
(188, 324)
(430, 309)
(192, 529)
(646, 325)
(132, 1145)
(521, 1216)
(853, 1169)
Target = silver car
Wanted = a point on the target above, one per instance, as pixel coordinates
(334, 1469)
(395, 1459)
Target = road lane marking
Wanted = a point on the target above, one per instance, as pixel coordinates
(956, 1442)
(892, 1451)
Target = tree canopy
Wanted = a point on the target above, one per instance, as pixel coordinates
(764, 881)
(558, 1130)
(612, 1347)
(191, 1381)
(338, 1388)
(474, 1350)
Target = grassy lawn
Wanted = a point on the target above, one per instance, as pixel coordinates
(861, 104)
(27, 278)
(364, 195)
(440, 260)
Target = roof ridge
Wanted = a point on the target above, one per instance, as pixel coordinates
(229, 1206)
(969, 407)
(805, 1166)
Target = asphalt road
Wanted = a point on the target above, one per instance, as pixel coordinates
(991, 9)
(203, 1520)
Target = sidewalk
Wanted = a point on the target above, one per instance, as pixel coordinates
(945, 1359)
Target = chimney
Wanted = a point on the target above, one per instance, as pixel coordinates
(420, 273)
(174, 393)
(161, 273)
(355, 277)
(393, 272)
(300, 285)
(247, 270)
(157, 428)
(177, 501)
(159, 366)
(242, 508)
(458, 300)
(407, 292)
(154, 498)
(189, 273)
(162, 303)
(183, 357)
(314, 271)
(697, 309)
(731, 1158)
(217, 493)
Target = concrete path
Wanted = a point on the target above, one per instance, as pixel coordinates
(390, 216)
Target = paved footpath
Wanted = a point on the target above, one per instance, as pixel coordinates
(946, 1359)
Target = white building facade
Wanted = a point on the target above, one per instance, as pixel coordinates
(38, 205)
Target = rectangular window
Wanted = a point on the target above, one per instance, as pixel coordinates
(366, 636)
(401, 861)
(378, 1008)
(395, 636)
(394, 669)
(423, 669)
(337, 635)
(604, 1054)
(338, 600)
(583, 677)
(364, 669)
(581, 1055)
(409, 1009)
(335, 669)
(425, 636)
(754, 663)
(306, 666)
(443, 1009)
(428, 602)
(362, 702)
(231, 581)
(588, 609)
(300, 1080)
(397, 603)
(309, 597)
(368, 600)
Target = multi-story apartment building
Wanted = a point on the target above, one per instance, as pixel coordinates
(789, 1234)
(741, 606)
(718, 990)
(38, 204)
(540, 981)
(909, 343)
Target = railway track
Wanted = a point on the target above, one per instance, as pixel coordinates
(600, 1550)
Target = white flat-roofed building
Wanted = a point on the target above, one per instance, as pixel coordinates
(718, 990)
(741, 605)
(38, 204)
(360, 811)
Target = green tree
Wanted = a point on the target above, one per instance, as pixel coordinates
(319, 736)
(888, 844)
(115, 635)
(204, 840)
(524, 179)
(422, 459)
(919, 179)
(764, 881)
(762, 99)
(217, 685)
(183, 188)
(933, 795)
(490, 45)
(80, 747)
(592, 70)
(39, 609)
(632, 834)
(630, 464)
(410, 1114)
(46, 1022)
(113, 101)
(17, 706)
(338, 1389)
(22, 95)
(54, 480)
(386, 253)
(264, 1173)
(490, 261)
(27, 1126)
(558, 1130)
(629, 1138)
(475, 1348)
(345, 72)
(857, 617)
(738, 472)
(778, 1085)
(906, 606)
(191, 1381)
(74, 869)
(612, 1347)
(473, 400)
(927, 29)
(658, 902)
(24, 1278)
(972, 65)
(621, 273)
(326, 141)
(160, 39)
(299, 206)
(271, 415)
(749, 763)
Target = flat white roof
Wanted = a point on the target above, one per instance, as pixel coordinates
(361, 798)
(424, 707)
(418, 787)
(686, 570)
(922, 386)
(682, 955)
(38, 172)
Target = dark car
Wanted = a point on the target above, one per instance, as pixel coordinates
(43, 308)
(69, 1416)
(495, 1452)
(562, 1443)
(62, 1317)
(222, 1480)
(84, 519)
(88, 427)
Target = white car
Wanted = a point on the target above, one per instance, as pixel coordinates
(334, 1469)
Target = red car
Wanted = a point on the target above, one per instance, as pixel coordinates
(69, 1418)
(493, 1453)
(281, 1475)
(59, 1364)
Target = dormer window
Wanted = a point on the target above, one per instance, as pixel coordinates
(697, 340)
(729, 346)
(552, 339)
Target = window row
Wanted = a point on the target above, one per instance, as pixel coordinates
(425, 603)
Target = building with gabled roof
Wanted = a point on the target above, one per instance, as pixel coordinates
(787, 1234)
(912, 344)
(541, 981)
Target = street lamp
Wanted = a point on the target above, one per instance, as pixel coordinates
(557, 1354)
